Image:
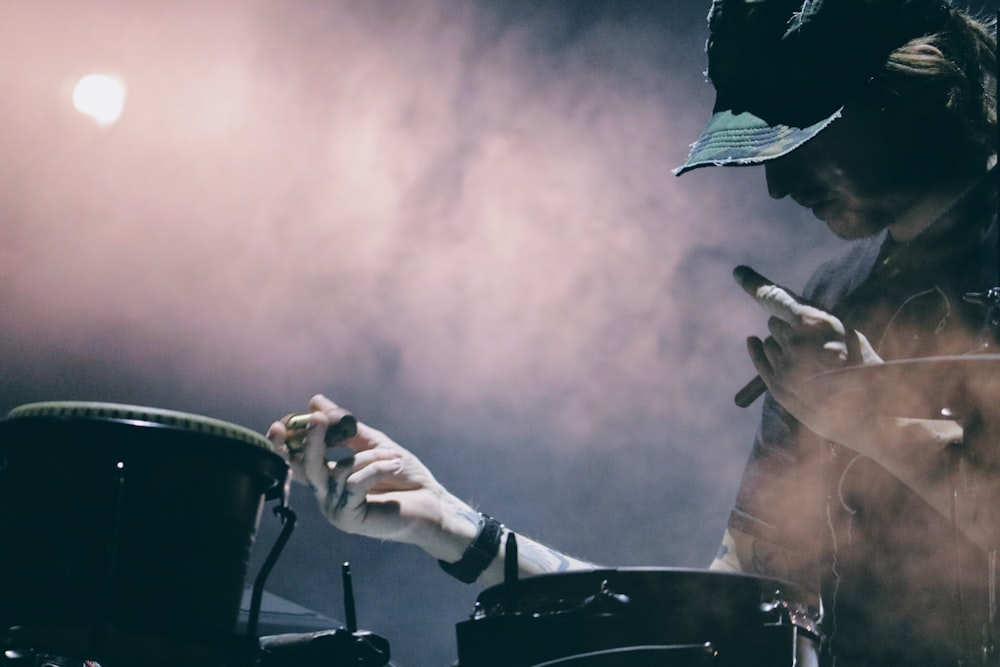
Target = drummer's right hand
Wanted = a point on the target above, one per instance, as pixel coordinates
(382, 491)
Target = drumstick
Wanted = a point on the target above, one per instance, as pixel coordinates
(342, 429)
(750, 392)
(751, 282)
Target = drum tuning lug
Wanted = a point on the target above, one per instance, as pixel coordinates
(606, 599)
(779, 608)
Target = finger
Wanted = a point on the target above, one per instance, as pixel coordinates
(349, 489)
(776, 300)
(781, 302)
(782, 331)
(277, 435)
(755, 348)
(313, 455)
(750, 280)
(837, 352)
(859, 350)
(321, 403)
(775, 356)
(765, 355)
(365, 478)
(342, 424)
(811, 338)
(341, 461)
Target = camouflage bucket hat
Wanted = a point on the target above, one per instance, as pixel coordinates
(783, 69)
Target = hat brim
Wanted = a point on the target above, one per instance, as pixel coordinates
(744, 139)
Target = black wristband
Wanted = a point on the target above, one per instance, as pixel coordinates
(479, 554)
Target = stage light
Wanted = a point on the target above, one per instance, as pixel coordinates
(100, 96)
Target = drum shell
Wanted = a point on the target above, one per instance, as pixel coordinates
(698, 617)
(112, 527)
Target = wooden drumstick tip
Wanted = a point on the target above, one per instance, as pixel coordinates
(750, 392)
(344, 428)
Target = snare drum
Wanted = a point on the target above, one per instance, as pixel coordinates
(634, 617)
(126, 531)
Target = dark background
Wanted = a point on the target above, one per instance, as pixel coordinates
(455, 218)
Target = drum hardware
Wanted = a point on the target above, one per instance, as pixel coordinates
(288, 518)
(510, 574)
(329, 648)
(606, 601)
(784, 613)
(350, 613)
(990, 301)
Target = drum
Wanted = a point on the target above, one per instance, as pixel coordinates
(639, 617)
(127, 530)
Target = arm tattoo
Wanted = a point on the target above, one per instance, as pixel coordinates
(544, 558)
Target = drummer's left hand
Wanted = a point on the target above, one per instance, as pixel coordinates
(804, 342)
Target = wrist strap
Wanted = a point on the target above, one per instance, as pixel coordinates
(479, 554)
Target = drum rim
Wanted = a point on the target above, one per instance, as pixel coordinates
(635, 569)
(799, 598)
(139, 415)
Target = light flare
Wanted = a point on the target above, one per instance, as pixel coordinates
(100, 96)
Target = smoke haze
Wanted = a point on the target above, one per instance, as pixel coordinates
(455, 218)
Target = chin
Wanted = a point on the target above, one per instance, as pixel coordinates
(851, 229)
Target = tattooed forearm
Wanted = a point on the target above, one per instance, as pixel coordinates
(541, 558)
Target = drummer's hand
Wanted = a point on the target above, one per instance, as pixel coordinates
(804, 342)
(383, 491)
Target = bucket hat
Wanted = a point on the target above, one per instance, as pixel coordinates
(783, 69)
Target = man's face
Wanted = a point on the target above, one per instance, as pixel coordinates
(851, 175)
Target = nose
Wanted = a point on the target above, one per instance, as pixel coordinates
(781, 174)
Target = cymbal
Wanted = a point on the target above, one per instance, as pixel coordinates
(953, 387)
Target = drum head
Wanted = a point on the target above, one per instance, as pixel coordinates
(126, 528)
(638, 616)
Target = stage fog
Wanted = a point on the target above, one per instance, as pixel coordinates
(457, 219)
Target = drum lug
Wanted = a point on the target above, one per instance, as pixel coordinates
(784, 613)
(606, 600)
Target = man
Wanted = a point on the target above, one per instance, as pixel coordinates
(879, 117)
